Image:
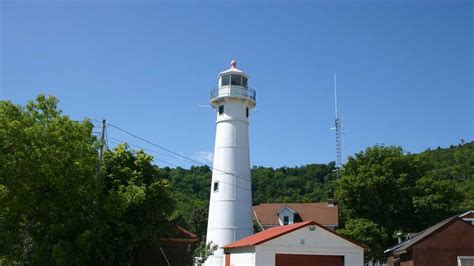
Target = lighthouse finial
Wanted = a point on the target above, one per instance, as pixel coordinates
(233, 63)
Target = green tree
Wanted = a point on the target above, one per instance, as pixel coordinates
(48, 184)
(135, 206)
(378, 185)
(467, 188)
(198, 221)
(435, 199)
(204, 251)
(55, 209)
(370, 234)
(398, 191)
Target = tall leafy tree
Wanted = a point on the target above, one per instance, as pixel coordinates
(378, 185)
(135, 206)
(47, 184)
(395, 191)
(56, 209)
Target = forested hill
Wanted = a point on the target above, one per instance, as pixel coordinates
(308, 183)
(455, 162)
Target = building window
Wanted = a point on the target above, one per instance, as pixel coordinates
(225, 79)
(247, 112)
(215, 188)
(286, 220)
(236, 80)
(244, 81)
(221, 109)
(465, 261)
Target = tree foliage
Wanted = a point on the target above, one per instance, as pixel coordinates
(47, 177)
(378, 185)
(55, 209)
(435, 199)
(134, 206)
(370, 234)
(399, 191)
(309, 183)
(204, 250)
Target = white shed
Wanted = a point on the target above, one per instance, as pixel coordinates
(302, 244)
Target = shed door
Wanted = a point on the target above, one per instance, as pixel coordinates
(308, 260)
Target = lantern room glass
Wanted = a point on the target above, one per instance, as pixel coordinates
(234, 80)
(225, 80)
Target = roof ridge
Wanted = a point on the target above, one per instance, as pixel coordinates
(423, 234)
(268, 234)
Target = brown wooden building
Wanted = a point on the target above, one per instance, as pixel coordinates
(448, 243)
(175, 250)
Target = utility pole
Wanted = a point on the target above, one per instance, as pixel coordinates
(101, 147)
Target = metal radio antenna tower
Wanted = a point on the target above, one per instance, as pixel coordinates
(338, 128)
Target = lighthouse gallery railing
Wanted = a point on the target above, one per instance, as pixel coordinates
(235, 91)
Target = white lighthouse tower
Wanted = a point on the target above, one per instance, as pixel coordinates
(230, 206)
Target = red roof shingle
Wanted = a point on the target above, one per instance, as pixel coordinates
(267, 235)
(277, 231)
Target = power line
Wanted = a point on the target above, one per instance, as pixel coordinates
(156, 145)
(175, 165)
(113, 140)
(175, 153)
(120, 141)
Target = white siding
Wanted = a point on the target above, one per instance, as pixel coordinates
(242, 257)
(305, 241)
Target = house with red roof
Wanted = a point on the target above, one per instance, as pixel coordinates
(303, 244)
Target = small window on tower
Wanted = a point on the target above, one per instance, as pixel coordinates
(216, 187)
(221, 109)
(236, 80)
(225, 80)
(247, 112)
(244, 81)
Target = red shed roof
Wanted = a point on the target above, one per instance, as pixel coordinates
(277, 231)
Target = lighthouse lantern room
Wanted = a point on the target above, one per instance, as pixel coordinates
(230, 205)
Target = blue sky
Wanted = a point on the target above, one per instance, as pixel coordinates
(405, 70)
